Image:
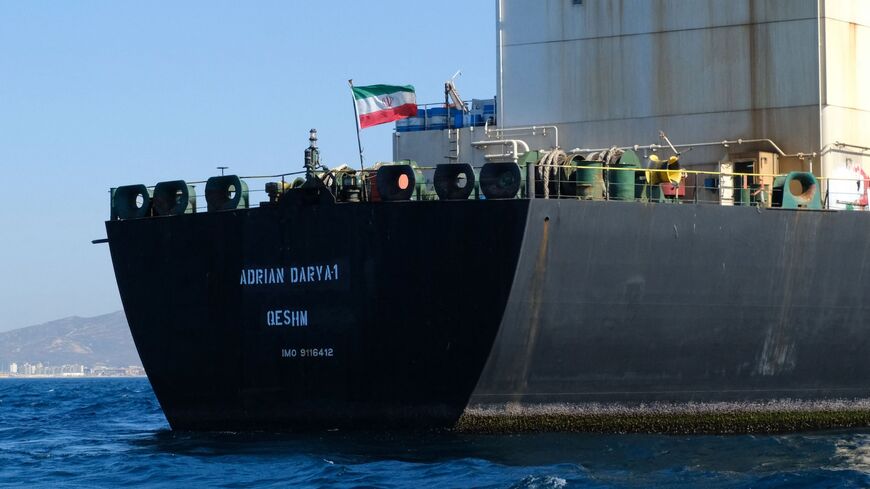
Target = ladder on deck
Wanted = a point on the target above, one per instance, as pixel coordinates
(453, 144)
(452, 100)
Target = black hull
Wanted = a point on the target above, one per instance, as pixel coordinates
(409, 320)
(496, 307)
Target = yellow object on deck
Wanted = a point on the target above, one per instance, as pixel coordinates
(670, 170)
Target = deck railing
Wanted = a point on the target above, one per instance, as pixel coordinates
(599, 183)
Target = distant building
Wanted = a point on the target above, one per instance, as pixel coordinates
(70, 370)
(135, 371)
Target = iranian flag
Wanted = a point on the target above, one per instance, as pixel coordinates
(377, 104)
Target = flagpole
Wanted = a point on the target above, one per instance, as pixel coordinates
(356, 115)
(358, 141)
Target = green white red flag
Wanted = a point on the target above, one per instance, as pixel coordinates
(378, 104)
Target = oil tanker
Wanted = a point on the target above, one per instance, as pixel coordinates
(502, 282)
(354, 300)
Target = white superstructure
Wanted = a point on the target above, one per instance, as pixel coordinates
(616, 72)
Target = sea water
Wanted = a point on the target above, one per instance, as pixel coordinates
(112, 433)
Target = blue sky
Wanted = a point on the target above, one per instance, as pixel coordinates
(96, 94)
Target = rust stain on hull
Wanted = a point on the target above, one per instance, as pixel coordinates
(537, 298)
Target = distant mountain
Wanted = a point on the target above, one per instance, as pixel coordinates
(88, 341)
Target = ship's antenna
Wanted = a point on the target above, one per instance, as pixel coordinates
(222, 168)
(312, 156)
(452, 95)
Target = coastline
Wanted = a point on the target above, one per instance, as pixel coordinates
(41, 377)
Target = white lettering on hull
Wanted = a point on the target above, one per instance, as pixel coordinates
(261, 276)
(323, 352)
(314, 273)
(306, 274)
(286, 317)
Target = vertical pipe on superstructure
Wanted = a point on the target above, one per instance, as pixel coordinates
(499, 117)
(819, 34)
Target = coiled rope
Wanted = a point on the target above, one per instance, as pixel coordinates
(549, 165)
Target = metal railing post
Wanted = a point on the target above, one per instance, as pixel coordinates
(530, 179)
